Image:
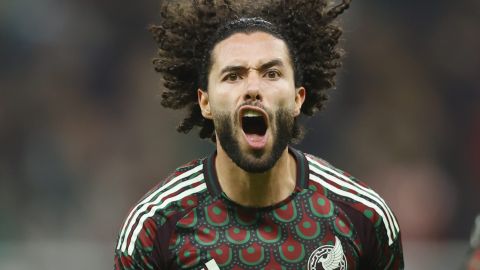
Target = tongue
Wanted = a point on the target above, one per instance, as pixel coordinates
(256, 141)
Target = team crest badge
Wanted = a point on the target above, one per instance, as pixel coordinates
(328, 257)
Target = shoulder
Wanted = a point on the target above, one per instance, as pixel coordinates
(352, 195)
(149, 219)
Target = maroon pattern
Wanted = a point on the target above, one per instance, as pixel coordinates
(206, 225)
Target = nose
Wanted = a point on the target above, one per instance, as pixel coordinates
(252, 92)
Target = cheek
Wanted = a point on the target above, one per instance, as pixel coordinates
(284, 100)
(222, 107)
(283, 91)
(224, 100)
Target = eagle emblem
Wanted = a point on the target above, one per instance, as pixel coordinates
(328, 257)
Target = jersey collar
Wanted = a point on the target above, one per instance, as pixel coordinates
(214, 186)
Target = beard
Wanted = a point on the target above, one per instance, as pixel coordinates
(257, 161)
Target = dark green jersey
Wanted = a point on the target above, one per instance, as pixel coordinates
(330, 221)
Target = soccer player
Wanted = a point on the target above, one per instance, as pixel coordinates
(245, 72)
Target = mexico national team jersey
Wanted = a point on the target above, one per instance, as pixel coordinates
(331, 221)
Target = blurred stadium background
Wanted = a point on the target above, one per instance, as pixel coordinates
(83, 136)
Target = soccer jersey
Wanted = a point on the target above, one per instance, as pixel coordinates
(330, 221)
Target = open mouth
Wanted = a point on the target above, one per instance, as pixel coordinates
(253, 122)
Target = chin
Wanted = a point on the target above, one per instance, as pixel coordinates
(255, 160)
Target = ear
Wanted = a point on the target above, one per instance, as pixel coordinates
(300, 94)
(204, 103)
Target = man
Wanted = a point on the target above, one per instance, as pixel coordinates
(256, 202)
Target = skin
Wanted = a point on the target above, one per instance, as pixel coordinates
(271, 87)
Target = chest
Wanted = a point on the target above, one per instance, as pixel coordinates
(306, 232)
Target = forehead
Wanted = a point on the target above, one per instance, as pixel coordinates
(249, 49)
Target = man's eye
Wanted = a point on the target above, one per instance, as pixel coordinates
(272, 74)
(232, 77)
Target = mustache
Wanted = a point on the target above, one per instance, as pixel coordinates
(255, 103)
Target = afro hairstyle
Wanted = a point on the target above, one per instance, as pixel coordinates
(188, 30)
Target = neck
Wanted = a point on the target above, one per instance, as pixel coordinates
(256, 189)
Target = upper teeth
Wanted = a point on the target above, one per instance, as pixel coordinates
(252, 114)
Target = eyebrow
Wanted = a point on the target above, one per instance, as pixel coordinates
(267, 65)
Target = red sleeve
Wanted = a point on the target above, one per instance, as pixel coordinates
(151, 248)
(376, 251)
(137, 251)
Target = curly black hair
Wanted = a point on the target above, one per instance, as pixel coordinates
(189, 29)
